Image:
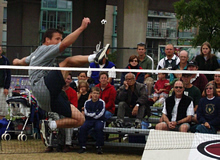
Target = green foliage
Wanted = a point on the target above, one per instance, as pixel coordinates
(112, 57)
(204, 14)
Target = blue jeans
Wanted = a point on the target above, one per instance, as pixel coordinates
(202, 129)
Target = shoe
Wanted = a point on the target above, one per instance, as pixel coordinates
(117, 124)
(49, 149)
(45, 132)
(66, 148)
(137, 125)
(102, 53)
(99, 150)
(82, 150)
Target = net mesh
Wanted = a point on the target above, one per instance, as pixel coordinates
(128, 137)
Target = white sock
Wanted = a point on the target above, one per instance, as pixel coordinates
(91, 58)
(53, 125)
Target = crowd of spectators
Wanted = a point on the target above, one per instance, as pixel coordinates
(186, 98)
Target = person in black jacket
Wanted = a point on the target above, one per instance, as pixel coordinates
(207, 61)
(133, 64)
(177, 111)
(5, 80)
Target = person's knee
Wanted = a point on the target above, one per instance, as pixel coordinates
(161, 126)
(184, 128)
(121, 104)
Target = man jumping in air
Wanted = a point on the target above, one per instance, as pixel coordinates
(47, 85)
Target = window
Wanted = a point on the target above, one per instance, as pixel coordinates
(5, 15)
(56, 14)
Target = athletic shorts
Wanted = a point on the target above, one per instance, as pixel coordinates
(59, 102)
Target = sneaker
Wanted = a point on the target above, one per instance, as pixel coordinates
(137, 125)
(82, 150)
(102, 54)
(117, 124)
(49, 149)
(45, 132)
(99, 150)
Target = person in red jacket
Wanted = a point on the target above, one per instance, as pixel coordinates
(107, 94)
(70, 92)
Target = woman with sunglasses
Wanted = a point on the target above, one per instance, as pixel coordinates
(133, 64)
(208, 112)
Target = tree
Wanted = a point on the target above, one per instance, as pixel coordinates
(204, 14)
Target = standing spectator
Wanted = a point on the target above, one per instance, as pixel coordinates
(208, 113)
(82, 94)
(177, 111)
(161, 91)
(133, 64)
(94, 75)
(207, 61)
(191, 91)
(107, 94)
(81, 76)
(95, 116)
(132, 97)
(170, 60)
(198, 80)
(5, 80)
(144, 61)
(182, 65)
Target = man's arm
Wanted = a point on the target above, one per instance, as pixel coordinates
(20, 62)
(71, 38)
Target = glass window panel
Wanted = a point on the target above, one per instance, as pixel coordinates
(61, 4)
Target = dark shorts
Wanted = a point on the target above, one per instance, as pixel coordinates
(58, 98)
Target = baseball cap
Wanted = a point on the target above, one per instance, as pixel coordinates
(192, 63)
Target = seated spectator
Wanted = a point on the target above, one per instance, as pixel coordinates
(216, 82)
(72, 97)
(198, 80)
(133, 64)
(82, 94)
(107, 94)
(208, 112)
(94, 75)
(177, 111)
(132, 97)
(81, 76)
(95, 115)
(161, 91)
(191, 91)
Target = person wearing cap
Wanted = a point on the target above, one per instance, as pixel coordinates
(198, 80)
(191, 91)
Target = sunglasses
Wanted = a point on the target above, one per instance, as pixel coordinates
(176, 87)
(209, 88)
(134, 60)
